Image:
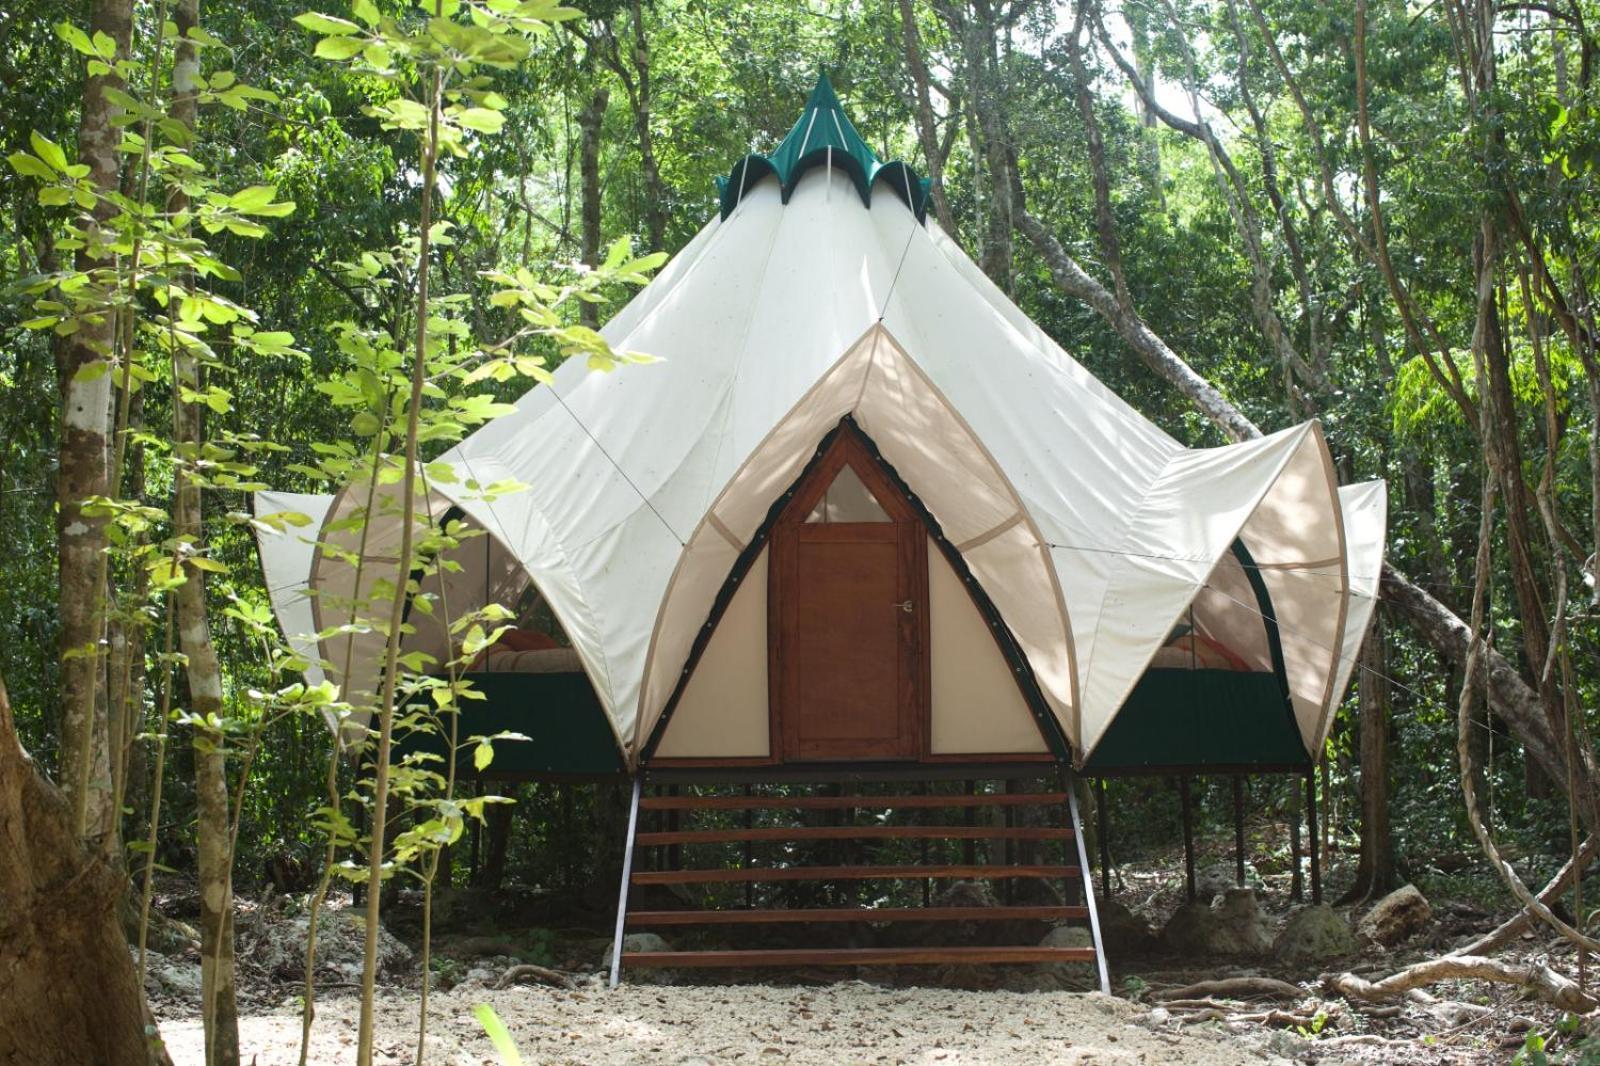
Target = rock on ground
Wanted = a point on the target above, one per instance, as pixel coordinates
(1218, 877)
(277, 944)
(1124, 932)
(174, 976)
(1233, 925)
(1314, 934)
(1398, 916)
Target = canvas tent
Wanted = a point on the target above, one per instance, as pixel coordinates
(1094, 591)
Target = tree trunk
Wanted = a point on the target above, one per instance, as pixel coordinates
(83, 471)
(69, 993)
(927, 131)
(655, 197)
(974, 27)
(1375, 872)
(498, 817)
(215, 861)
(589, 122)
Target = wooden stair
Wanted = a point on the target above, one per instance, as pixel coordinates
(800, 848)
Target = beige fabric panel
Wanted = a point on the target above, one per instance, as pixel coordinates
(1301, 554)
(1014, 571)
(740, 509)
(723, 711)
(977, 707)
(1226, 611)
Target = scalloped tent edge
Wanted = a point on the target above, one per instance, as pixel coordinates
(823, 137)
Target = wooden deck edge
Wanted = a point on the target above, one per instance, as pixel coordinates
(801, 915)
(848, 873)
(921, 956)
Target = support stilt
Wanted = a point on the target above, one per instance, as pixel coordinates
(1103, 814)
(1297, 886)
(1238, 830)
(1188, 839)
(627, 877)
(1311, 834)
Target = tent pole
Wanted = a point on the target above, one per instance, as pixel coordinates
(1311, 834)
(1103, 814)
(1238, 830)
(627, 875)
(1188, 839)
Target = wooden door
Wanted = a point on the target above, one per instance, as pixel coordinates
(848, 601)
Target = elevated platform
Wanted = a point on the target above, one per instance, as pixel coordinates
(836, 868)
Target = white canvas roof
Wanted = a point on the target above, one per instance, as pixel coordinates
(1089, 528)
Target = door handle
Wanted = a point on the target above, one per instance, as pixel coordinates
(906, 606)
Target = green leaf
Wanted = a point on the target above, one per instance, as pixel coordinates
(257, 200)
(327, 24)
(404, 114)
(482, 119)
(337, 48)
(366, 11)
(483, 755)
(48, 150)
(498, 1035)
(29, 167)
(75, 37)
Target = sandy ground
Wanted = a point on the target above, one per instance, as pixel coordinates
(679, 1026)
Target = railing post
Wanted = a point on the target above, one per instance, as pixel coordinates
(1088, 886)
(627, 876)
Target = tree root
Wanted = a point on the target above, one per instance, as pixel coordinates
(1540, 979)
(1235, 988)
(537, 973)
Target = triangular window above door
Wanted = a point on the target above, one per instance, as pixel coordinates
(847, 500)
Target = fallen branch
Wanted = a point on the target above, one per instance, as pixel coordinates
(1235, 988)
(538, 973)
(1197, 1004)
(1522, 921)
(1540, 979)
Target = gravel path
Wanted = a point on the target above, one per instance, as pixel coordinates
(679, 1026)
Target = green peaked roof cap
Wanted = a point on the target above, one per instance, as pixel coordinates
(824, 136)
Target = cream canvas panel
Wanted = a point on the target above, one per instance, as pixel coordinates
(352, 530)
(1365, 507)
(734, 520)
(1296, 537)
(723, 712)
(977, 707)
(1186, 522)
(285, 564)
(1226, 611)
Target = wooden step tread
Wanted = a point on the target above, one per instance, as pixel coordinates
(919, 956)
(858, 914)
(847, 873)
(839, 803)
(855, 832)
